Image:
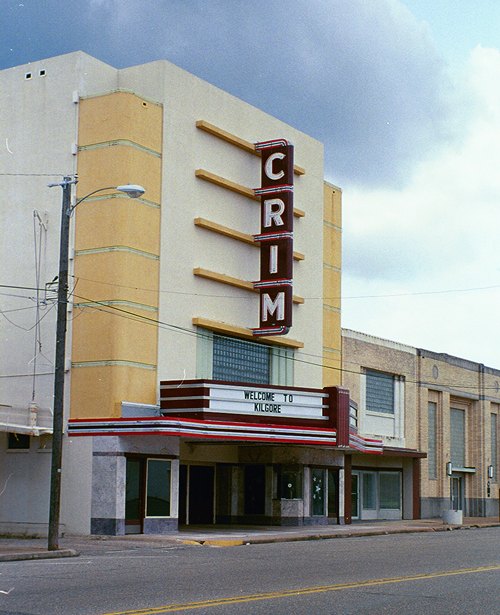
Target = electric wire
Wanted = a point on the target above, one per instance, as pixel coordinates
(103, 307)
(112, 309)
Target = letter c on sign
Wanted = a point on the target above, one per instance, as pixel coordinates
(269, 166)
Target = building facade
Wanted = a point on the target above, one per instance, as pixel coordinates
(176, 412)
(444, 406)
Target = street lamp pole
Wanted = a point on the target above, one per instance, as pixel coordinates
(60, 358)
(132, 191)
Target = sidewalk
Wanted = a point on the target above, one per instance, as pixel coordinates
(14, 549)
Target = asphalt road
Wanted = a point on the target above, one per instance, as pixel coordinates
(444, 572)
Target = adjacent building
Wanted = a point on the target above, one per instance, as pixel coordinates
(427, 401)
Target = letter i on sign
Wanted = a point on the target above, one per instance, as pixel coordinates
(276, 237)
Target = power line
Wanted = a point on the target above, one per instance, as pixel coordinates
(225, 296)
(120, 312)
(100, 306)
(32, 174)
(114, 310)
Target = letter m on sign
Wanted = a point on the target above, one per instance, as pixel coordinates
(276, 307)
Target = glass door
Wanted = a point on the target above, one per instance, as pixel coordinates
(134, 488)
(147, 491)
(368, 495)
(333, 490)
(318, 492)
(355, 496)
(457, 492)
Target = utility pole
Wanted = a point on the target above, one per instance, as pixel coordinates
(134, 191)
(60, 360)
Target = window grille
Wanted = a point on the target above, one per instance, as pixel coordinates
(431, 440)
(379, 392)
(457, 424)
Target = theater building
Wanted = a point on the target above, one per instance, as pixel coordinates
(203, 376)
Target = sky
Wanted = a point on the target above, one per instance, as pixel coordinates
(405, 95)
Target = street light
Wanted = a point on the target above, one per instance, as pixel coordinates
(134, 191)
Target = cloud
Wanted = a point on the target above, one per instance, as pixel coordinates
(362, 77)
(450, 200)
(438, 233)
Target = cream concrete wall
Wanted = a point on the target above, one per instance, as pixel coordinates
(38, 123)
(183, 296)
(361, 351)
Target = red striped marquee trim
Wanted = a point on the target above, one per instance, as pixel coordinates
(194, 428)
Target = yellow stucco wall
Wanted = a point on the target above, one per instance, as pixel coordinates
(332, 262)
(120, 115)
(117, 247)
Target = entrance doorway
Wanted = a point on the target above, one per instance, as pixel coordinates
(196, 495)
(147, 491)
(457, 492)
(134, 499)
(255, 490)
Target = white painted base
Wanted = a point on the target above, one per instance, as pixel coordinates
(453, 517)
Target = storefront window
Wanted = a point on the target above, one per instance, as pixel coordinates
(158, 488)
(369, 491)
(390, 490)
(290, 483)
(317, 491)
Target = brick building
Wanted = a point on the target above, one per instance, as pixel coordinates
(432, 402)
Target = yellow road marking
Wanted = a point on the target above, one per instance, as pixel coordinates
(172, 608)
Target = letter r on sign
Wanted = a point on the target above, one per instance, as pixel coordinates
(273, 208)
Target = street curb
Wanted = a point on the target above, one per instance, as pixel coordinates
(16, 557)
(261, 540)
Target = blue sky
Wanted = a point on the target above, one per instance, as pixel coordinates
(404, 94)
(457, 26)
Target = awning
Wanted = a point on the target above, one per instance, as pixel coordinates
(25, 429)
(30, 420)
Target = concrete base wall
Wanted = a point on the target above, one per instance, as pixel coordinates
(474, 507)
(492, 508)
(432, 508)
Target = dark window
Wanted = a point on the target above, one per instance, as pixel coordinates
(494, 446)
(18, 441)
(379, 392)
(290, 482)
(390, 490)
(432, 440)
(239, 361)
(457, 424)
(158, 488)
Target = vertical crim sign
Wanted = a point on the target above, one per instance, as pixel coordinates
(275, 237)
